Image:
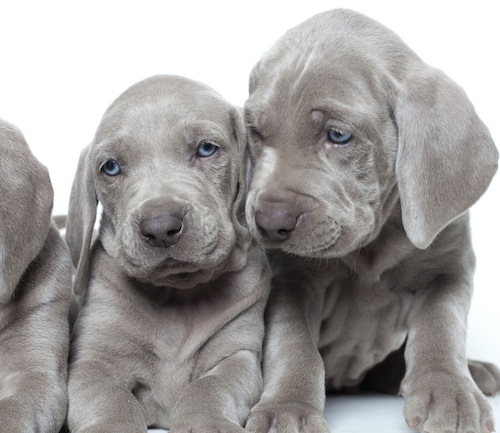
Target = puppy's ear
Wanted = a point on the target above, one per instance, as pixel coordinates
(26, 200)
(239, 189)
(446, 156)
(81, 219)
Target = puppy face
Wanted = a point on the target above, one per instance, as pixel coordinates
(165, 166)
(345, 123)
(324, 149)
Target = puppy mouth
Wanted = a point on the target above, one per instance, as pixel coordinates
(321, 245)
(306, 238)
(186, 280)
(176, 266)
(174, 260)
(169, 272)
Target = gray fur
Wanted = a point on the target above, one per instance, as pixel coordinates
(369, 240)
(169, 334)
(35, 288)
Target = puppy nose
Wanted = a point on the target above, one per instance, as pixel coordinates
(276, 220)
(162, 229)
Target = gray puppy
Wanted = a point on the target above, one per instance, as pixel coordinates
(173, 290)
(35, 289)
(366, 161)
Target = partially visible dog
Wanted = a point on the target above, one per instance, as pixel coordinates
(366, 162)
(174, 289)
(35, 289)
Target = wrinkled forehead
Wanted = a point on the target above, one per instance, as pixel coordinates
(338, 54)
(159, 111)
(160, 139)
(342, 90)
(155, 115)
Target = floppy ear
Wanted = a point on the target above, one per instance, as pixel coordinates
(81, 220)
(25, 207)
(446, 156)
(243, 174)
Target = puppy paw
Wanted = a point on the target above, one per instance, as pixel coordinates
(203, 423)
(288, 417)
(17, 415)
(446, 403)
(486, 376)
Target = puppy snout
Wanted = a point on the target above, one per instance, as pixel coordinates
(162, 228)
(276, 220)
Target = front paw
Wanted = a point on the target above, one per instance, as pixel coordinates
(17, 415)
(203, 423)
(286, 417)
(438, 402)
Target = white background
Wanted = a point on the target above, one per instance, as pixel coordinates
(63, 62)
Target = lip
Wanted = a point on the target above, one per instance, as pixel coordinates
(318, 250)
(273, 244)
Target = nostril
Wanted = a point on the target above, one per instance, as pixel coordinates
(276, 235)
(148, 238)
(174, 232)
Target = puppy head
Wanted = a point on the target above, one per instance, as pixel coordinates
(345, 121)
(167, 164)
(25, 207)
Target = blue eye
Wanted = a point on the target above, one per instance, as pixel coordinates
(206, 149)
(338, 137)
(111, 168)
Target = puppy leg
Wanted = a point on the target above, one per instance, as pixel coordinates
(294, 376)
(23, 412)
(440, 394)
(228, 378)
(98, 403)
(221, 400)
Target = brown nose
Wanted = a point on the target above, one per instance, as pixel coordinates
(276, 220)
(162, 225)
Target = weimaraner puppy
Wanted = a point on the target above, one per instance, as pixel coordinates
(366, 162)
(173, 290)
(35, 290)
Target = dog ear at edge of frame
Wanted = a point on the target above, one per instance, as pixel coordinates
(446, 156)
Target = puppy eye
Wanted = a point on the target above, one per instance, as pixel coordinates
(206, 149)
(111, 168)
(339, 138)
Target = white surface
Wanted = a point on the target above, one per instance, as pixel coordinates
(63, 63)
(371, 413)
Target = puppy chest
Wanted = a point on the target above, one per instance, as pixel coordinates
(178, 358)
(362, 324)
(161, 389)
(153, 354)
(164, 372)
